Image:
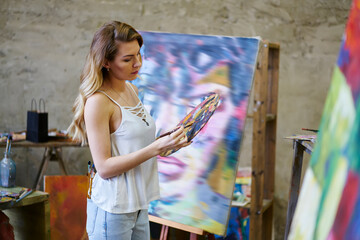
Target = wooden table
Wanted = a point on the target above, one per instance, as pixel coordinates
(301, 144)
(30, 217)
(53, 152)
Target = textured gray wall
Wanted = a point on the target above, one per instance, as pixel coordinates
(43, 45)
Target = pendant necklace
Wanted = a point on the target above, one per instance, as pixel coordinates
(142, 118)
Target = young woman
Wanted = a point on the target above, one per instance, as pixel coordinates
(121, 136)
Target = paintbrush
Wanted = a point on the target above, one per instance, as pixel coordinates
(308, 129)
(92, 175)
(89, 168)
(8, 146)
(177, 128)
(24, 193)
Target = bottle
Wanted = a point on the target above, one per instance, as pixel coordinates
(7, 167)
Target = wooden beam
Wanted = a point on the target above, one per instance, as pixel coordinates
(258, 144)
(270, 135)
(176, 225)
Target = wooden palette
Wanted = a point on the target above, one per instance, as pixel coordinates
(197, 118)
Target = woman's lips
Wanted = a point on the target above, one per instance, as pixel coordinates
(171, 167)
(136, 72)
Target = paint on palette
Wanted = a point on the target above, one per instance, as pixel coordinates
(178, 71)
(197, 118)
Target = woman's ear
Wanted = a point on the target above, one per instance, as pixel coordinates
(106, 64)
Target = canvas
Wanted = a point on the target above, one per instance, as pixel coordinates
(179, 70)
(67, 206)
(329, 201)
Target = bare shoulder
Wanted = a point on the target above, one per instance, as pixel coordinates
(134, 87)
(98, 102)
(97, 99)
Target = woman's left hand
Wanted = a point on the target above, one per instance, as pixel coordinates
(173, 141)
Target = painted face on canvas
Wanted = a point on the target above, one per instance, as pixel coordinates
(127, 61)
(184, 167)
(179, 70)
(182, 81)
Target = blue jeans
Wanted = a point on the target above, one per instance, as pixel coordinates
(102, 225)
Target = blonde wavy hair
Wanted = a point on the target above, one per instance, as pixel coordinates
(104, 46)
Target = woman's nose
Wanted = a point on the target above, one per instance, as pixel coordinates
(137, 62)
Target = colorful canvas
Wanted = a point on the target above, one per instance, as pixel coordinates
(14, 194)
(68, 196)
(329, 201)
(6, 199)
(7, 196)
(239, 225)
(197, 118)
(178, 71)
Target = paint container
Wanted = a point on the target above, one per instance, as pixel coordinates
(7, 168)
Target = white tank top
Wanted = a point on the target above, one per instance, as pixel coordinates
(135, 189)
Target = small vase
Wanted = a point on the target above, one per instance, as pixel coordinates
(7, 172)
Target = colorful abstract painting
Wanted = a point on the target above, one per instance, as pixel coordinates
(68, 196)
(329, 201)
(178, 71)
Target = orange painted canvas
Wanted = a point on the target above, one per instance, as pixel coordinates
(67, 206)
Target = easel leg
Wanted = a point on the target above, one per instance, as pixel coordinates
(50, 154)
(193, 236)
(43, 166)
(164, 232)
(295, 184)
(60, 160)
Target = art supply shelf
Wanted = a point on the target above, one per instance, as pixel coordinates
(29, 217)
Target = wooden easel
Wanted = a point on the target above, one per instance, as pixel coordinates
(194, 232)
(264, 118)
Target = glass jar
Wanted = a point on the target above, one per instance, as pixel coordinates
(7, 171)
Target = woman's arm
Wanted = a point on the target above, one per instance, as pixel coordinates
(98, 112)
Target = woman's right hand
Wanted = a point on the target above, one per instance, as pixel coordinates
(175, 140)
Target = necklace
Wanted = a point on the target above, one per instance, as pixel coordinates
(143, 115)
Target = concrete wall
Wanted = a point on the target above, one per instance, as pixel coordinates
(43, 45)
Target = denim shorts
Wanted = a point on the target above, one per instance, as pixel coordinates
(102, 225)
